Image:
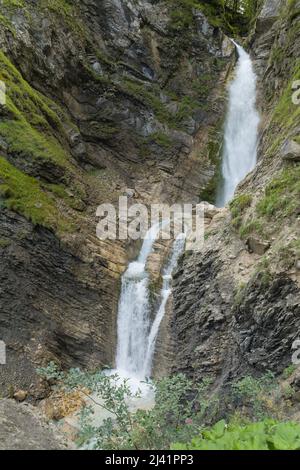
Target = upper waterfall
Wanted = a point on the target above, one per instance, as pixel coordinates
(241, 130)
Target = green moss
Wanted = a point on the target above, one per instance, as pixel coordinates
(29, 119)
(4, 242)
(67, 11)
(286, 113)
(24, 101)
(147, 97)
(249, 227)
(238, 206)
(161, 139)
(240, 203)
(219, 14)
(13, 4)
(24, 195)
(282, 195)
(26, 142)
(6, 24)
(213, 151)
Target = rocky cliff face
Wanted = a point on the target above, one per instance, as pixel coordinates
(104, 98)
(237, 303)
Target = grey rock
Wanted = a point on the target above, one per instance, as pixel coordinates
(257, 246)
(268, 15)
(97, 67)
(291, 151)
(22, 428)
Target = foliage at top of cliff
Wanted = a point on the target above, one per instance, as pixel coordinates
(233, 16)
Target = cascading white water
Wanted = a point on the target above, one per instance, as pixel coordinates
(134, 312)
(165, 294)
(136, 335)
(241, 131)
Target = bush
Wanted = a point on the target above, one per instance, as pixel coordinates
(181, 413)
(264, 435)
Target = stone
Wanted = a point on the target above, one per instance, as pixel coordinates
(22, 428)
(268, 15)
(227, 47)
(290, 151)
(79, 150)
(130, 193)
(257, 246)
(97, 68)
(210, 211)
(20, 395)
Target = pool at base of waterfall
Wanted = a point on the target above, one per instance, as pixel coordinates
(141, 397)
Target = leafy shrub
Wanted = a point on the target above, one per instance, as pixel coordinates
(182, 413)
(172, 417)
(264, 435)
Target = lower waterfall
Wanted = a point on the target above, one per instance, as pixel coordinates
(137, 334)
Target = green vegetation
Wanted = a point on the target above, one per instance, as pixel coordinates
(4, 242)
(24, 195)
(214, 155)
(289, 371)
(161, 139)
(282, 195)
(13, 4)
(24, 141)
(263, 435)
(31, 133)
(234, 16)
(239, 204)
(280, 200)
(29, 119)
(183, 412)
(286, 114)
(237, 208)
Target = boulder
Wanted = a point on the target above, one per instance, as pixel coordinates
(290, 151)
(22, 428)
(268, 15)
(20, 395)
(257, 246)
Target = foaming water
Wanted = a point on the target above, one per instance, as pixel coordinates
(165, 294)
(134, 312)
(241, 130)
(137, 331)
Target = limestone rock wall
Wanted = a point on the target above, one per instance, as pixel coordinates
(237, 303)
(106, 98)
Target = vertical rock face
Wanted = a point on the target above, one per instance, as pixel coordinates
(102, 97)
(240, 312)
(23, 429)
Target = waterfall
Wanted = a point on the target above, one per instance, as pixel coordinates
(136, 333)
(241, 130)
(134, 311)
(165, 294)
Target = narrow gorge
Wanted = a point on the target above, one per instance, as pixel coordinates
(170, 102)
